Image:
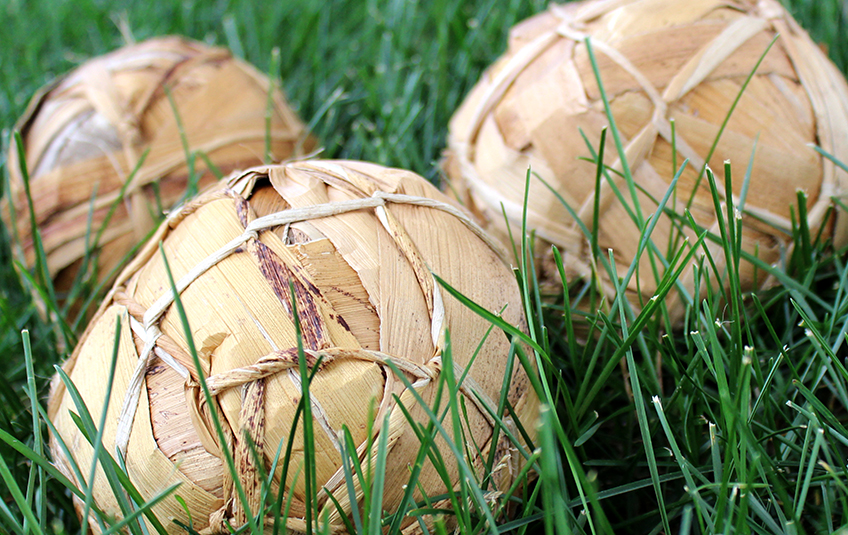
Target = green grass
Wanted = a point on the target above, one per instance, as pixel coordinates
(737, 424)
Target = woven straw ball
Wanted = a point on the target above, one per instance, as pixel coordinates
(659, 60)
(89, 128)
(359, 243)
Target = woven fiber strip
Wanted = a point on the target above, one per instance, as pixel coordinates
(86, 132)
(671, 70)
(354, 247)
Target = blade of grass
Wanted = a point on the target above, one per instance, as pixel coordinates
(36, 474)
(30, 521)
(192, 350)
(101, 427)
(639, 403)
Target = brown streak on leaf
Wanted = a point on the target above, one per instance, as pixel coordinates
(278, 275)
(290, 355)
(252, 421)
(342, 322)
(242, 209)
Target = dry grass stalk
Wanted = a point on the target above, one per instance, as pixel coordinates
(358, 242)
(659, 60)
(89, 128)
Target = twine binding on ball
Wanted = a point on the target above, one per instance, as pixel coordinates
(250, 380)
(271, 364)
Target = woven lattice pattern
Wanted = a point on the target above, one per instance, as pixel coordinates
(358, 243)
(659, 60)
(88, 130)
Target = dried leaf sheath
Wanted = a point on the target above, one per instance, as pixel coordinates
(350, 238)
(89, 128)
(659, 60)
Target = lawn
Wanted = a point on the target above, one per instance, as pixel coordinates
(734, 424)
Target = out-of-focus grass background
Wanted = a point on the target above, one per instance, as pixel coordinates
(379, 80)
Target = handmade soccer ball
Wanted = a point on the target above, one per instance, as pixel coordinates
(87, 132)
(354, 247)
(671, 70)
